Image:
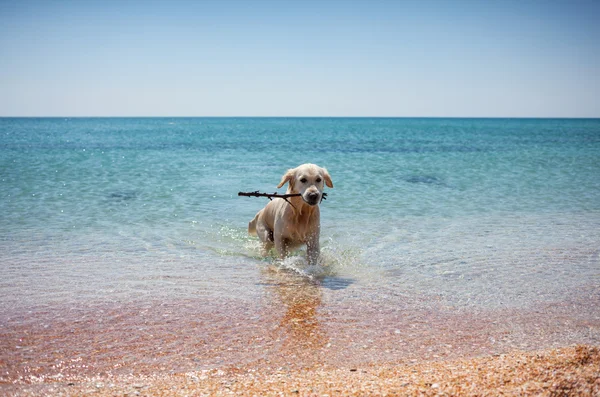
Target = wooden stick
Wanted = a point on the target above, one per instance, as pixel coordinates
(271, 196)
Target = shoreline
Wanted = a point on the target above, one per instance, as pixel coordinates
(573, 370)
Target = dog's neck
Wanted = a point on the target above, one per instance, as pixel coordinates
(299, 206)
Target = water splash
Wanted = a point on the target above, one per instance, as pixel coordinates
(300, 266)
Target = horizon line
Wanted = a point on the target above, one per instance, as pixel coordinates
(306, 117)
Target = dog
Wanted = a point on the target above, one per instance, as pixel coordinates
(289, 224)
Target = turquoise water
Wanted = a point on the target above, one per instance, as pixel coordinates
(474, 212)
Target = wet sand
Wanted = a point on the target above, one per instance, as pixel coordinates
(568, 371)
(300, 339)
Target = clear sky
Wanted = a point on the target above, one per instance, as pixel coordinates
(300, 58)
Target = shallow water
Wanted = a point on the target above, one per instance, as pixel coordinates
(104, 217)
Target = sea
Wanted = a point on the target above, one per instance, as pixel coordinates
(124, 244)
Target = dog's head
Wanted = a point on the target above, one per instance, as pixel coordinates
(308, 180)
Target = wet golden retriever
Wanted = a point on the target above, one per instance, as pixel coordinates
(290, 224)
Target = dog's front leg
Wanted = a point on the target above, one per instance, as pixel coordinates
(281, 247)
(313, 249)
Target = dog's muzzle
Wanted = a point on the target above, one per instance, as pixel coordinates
(312, 198)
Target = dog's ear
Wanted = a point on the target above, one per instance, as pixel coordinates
(287, 177)
(327, 178)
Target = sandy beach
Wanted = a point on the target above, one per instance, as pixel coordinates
(571, 371)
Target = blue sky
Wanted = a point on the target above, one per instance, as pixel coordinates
(300, 58)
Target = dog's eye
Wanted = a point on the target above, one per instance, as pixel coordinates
(303, 180)
(319, 180)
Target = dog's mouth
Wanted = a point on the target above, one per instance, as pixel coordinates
(312, 198)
